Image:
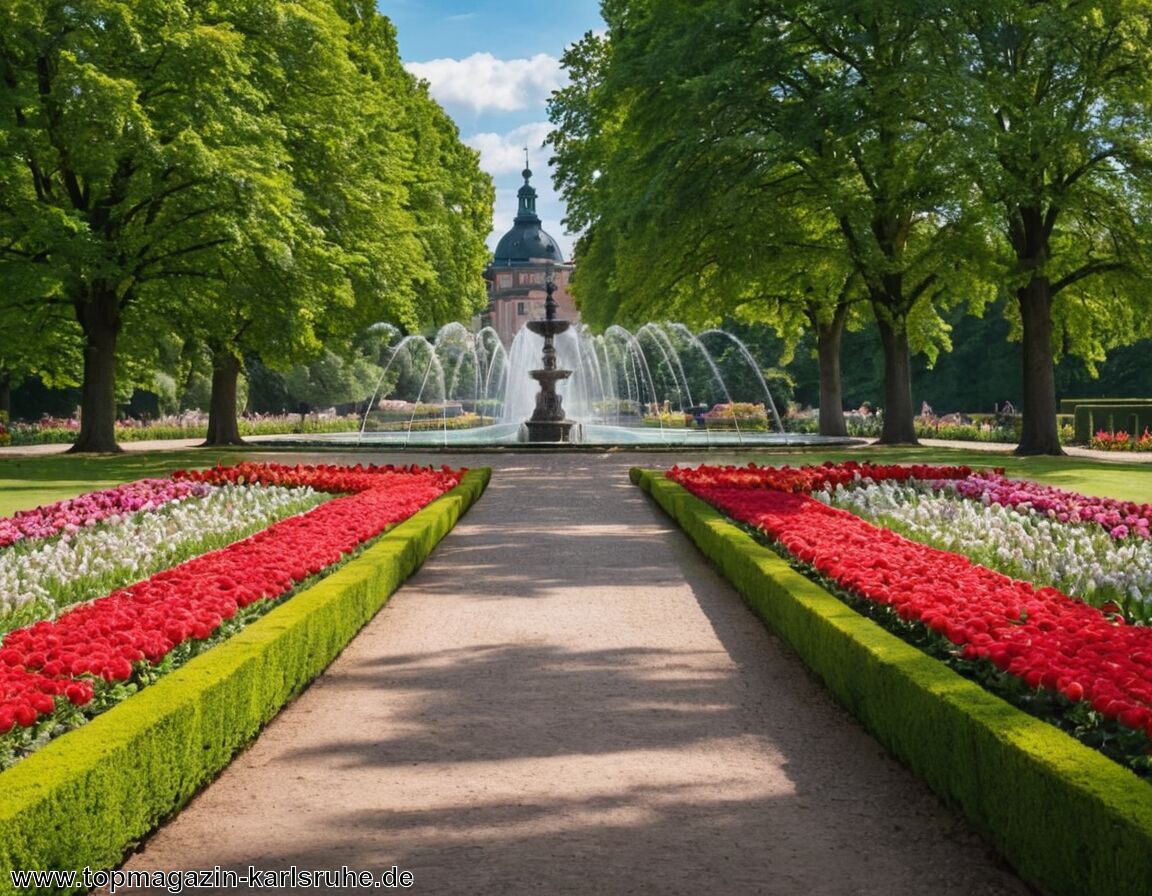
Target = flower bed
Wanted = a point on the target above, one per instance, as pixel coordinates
(85, 656)
(1037, 635)
(88, 510)
(1069, 820)
(41, 576)
(87, 798)
(1104, 563)
(188, 425)
(466, 420)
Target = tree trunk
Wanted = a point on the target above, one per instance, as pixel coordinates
(99, 317)
(1039, 434)
(899, 423)
(828, 338)
(5, 394)
(223, 427)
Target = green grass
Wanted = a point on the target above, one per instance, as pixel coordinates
(31, 481)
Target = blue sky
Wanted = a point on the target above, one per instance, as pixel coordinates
(492, 65)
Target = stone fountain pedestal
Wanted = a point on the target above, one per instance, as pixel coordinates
(547, 423)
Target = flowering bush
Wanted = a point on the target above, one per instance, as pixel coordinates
(737, 415)
(860, 423)
(1121, 441)
(1036, 637)
(100, 651)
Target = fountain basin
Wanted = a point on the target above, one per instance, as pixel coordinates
(550, 430)
(607, 384)
(547, 327)
(585, 435)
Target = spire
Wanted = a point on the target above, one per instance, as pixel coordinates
(527, 195)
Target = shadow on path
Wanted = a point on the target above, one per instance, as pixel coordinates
(567, 699)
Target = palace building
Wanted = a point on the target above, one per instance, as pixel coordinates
(524, 257)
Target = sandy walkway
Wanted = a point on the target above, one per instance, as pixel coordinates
(566, 699)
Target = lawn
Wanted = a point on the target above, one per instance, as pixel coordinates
(30, 481)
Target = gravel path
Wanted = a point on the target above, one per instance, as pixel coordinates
(567, 699)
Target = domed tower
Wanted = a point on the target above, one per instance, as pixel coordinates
(526, 242)
(524, 258)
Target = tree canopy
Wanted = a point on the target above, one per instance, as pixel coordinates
(1052, 101)
(742, 153)
(776, 158)
(260, 175)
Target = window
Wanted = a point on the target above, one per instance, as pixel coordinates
(521, 308)
(504, 281)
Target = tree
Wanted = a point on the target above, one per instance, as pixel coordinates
(643, 261)
(134, 148)
(331, 380)
(1052, 100)
(746, 145)
(204, 164)
(393, 205)
(131, 132)
(341, 221)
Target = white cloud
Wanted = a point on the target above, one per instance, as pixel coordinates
(502, 154)
(482, 82)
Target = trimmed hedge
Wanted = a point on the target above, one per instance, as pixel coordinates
(1129, 414)
(1069, 405)
(1068, 819)
(87, 798)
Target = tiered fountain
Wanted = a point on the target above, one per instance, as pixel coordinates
(547, 423)
(591, 389)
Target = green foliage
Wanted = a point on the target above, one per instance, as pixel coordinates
(331, 380)
(1052, 102)
(260, 177)
(1131, 416)
(783, 160)
(774, 158)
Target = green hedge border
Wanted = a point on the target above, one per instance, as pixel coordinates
(89, 797)
(1069, 820)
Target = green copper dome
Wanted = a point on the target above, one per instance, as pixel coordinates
(526, 242)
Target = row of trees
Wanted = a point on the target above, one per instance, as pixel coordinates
(820, 165)
(258, 178)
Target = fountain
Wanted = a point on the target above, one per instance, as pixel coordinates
(547, 423)
(651, 386)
